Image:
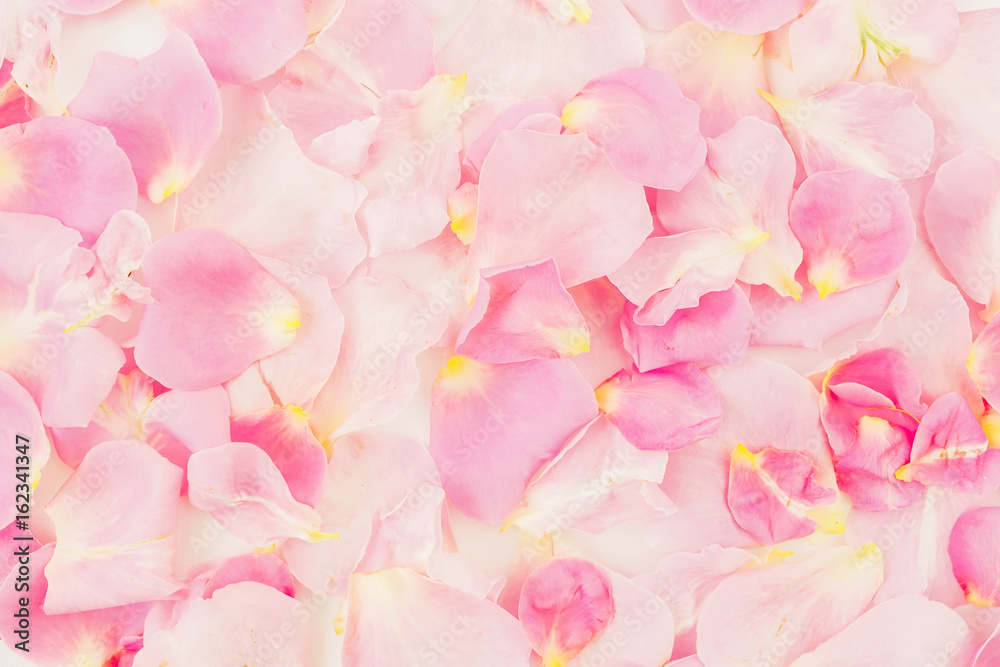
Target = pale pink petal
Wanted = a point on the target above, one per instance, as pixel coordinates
(117, 254)
(494, 426)
(215, 311)
(717, 331)
(163, 110)
(953, 91)
(950, 449)
(514, 48)
(413, 164)
(81, 638)
(854, 228)
(646, 127)
(598, 481)
(463, 206)
(669, 273)
(983, 362)
(398, 617)
(284, 435)
(27, 451)
(745, 187)
(246, 623)
(243, 41)
(659, 15)
(721, 71)
(522, 313)
(744, 18)
(507, 119)
(684, 579)
(376, 373)
(812, 321)
(240, 483)
(831, 41)
(928, 321)
(399, 56)
(115, 521)
(556, 196)
(263, 568)
(907, 630)
(565, 604)
(67, 169)
(364, 485)
(875, 126)
(960, 213)
(771, 493)
(775, 613)
(345, 149)
(260, 190)
(666, 408)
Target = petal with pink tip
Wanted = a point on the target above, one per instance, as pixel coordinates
(775, 613)
(215, 311)
(745, 187)
(521, 313)
(666, 408)
(27, 448)
(376, 373)
(68, 169)
(684, 579)
(670, 273)
(521, 49)
(241, 41)
(744, 18)
(115, 521)
(398, 617)
(263, 568)
(721, 71)
(716, 331)
(854, 228)
(646, 127)
(547, 195)
(974, 548)
(494, 426)
(240, 482)
(876, 127)
(950, 449)
(81, 638)
(241, 624)
(771, 493)
(163, 110)
(960, 214)
(565, 604)
(284, 435)
(413, 164)
(906, 630)
(596, 482)
(260, 190)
